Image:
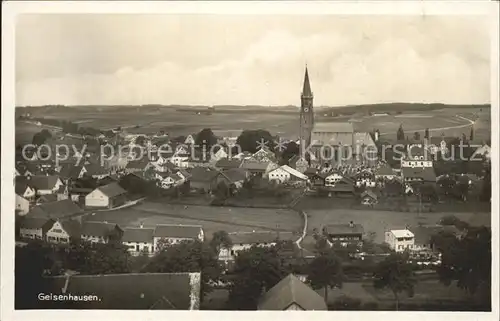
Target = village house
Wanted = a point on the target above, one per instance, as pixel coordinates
(344, 234)
(261, 168)
(203, 179)
(234, 177)
(23, 189)
(101, 232)
(218, 154)
(184, 175)
(72, 171)
(22, 205)
(484, 151)
(369, 198)
(107, 196)
(343, 188)
(298, 163)
(227, 137)
(225, 164)
(385, 172)
(243, 156)
(55, 210)
(133, 291)
(264, 155)
(291, 294)
(136, 166)
(44, 185)
(96, 171)
(245, 240)
(189, 140)
(400, 240)
(416, 156)
(165, 235)
(63, 232)
(47, 198)
(332, 178)
(138, 240)
(285, 174)
(418, 175)
(34, 227)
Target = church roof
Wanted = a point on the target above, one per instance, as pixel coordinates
(306, 91)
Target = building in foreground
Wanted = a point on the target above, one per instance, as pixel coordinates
(151, 291)
(291, 294)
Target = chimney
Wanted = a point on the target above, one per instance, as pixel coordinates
(351, 224)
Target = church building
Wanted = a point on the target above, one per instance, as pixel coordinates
(332, 143)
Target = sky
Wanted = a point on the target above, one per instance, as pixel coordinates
(165, 59)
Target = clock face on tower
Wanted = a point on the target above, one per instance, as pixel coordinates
(306, 109)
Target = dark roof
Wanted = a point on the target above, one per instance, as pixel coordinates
(137, 234)
(228, 163)
(384, 170)
(43, 182)
(145, 291)
(344, 229)
(369, 193)
(137, 164)
(177, 231)
(306, 90)
(21, 184)
(112, 190)
(235, 174)
(72, 227)
(201, 174)
(100, 229)
(427, 174)
(291, 290)
(96, 169)
(261, 237)
(55, 210)
(48, 198)
(254, 165)
(70, 170)
(36, 223)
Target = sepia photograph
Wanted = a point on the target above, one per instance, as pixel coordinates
(253, 162)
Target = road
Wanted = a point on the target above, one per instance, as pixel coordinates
(470, 123)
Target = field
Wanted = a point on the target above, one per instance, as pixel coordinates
(378, 222)
(229, 219)
(450, 121)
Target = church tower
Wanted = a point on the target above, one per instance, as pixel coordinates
(306, 112)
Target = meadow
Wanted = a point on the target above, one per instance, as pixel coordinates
(212, 218)
(448, 121)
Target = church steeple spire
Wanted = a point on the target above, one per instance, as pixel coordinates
(306, 90)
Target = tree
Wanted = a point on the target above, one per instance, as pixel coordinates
(325, 271)
(46, 133)
(206, 138)
(471, 137)
(188, 256)
(39, 139)
(396, 274)
(486, 189)
(291, 150)
(468, 262)
(416, 136)
(256, 270)
(400, 133)
(249, 140)
(140, 140)
(108, 258)
(220, 239)
(426, 135)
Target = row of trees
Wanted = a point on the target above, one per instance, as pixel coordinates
(465, 262)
